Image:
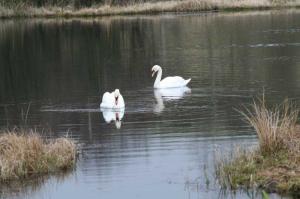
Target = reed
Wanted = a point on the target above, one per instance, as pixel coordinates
(275, 127)
(275, 164)
(24, 153)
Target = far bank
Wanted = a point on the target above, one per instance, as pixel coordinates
(73, 8)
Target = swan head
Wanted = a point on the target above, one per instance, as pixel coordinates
(155, 69)
(116, 95)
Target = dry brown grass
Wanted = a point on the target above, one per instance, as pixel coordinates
(275, 127)
(23, 154)
(275, 164)
(146, 7)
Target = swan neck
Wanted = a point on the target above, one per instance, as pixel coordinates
(158, 78)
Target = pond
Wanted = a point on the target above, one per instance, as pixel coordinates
(53, 73)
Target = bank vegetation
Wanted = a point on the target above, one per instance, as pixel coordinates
(24, 153)
(274, 165)
(85, 8)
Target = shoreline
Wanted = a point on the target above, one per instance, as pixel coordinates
(160, 7)
(273, 166)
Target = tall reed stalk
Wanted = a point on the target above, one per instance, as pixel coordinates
(275, 164)
(274, 126)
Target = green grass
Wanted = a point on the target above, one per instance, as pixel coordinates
(24, 154)
(275, 165)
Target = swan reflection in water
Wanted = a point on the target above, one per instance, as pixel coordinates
(168, 94)
(110, 115)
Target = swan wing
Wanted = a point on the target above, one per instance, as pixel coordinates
(121, 103)
(173, 82)
(107, 100)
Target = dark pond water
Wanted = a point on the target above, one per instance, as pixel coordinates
(165, 147)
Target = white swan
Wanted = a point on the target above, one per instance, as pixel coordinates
(115, 116)
(168, 82)
(113, 100)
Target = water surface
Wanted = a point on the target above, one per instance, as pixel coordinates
(57, 70)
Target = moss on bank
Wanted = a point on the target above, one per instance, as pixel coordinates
(25, 153)
(275, 165)
(25, 9)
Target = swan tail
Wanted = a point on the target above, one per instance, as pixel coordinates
(187, 81)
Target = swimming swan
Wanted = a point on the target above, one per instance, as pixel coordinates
(168, 82)
(113, 100)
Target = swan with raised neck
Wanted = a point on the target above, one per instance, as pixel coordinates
(168, 82)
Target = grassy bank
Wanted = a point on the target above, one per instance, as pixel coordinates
(65, 8)
(25, 154)
(275, 165)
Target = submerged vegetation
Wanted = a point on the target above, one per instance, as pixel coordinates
(24, 154)
(74, 8)
(275, 165)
